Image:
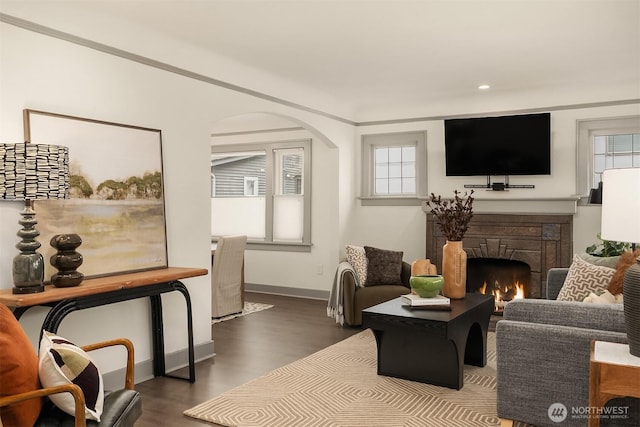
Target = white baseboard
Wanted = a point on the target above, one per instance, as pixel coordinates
(287, 291)
(114, 380)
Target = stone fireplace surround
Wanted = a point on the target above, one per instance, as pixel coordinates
(542, 241)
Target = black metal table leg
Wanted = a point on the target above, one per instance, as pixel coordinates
(62, 308)
(19, 311)
(187, 298)
(54, 317)
(180, 287)
(157, 327)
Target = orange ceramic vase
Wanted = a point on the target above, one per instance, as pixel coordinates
(454, 270)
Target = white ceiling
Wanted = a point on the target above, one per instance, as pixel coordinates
(370, 55)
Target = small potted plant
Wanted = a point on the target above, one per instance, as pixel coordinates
(452, 215)
(608, 248)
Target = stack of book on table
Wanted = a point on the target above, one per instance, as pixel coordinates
(438, 302)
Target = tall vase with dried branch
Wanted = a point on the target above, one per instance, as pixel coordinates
(453, 217)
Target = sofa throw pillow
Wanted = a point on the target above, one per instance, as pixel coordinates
(384, 267)
(605, 298)
(18, 371)
(357, 257)
(61, 362)
(604, 261)
(583, 279)
(626, 260)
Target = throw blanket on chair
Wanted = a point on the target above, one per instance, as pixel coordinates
(335, 306)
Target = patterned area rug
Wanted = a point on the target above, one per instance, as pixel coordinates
(339, 386)
(249, 307)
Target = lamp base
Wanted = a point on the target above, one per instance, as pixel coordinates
(28, 289)
(28, 265)
(631, 301)
(28, 273)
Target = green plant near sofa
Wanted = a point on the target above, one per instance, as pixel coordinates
(607, 248)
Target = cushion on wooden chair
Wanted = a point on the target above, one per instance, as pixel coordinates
(19, 383)
(62, 362)
(121, 408)
(18, 371)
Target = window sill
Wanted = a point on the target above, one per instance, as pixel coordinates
(276, 246)
(391, 201)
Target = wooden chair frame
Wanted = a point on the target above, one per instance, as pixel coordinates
(75, 390)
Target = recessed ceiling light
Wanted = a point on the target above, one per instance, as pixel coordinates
(484, 87)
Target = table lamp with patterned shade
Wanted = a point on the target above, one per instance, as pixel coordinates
(621, 223)
(30, 172)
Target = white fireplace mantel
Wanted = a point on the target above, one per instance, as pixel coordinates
(501, 205)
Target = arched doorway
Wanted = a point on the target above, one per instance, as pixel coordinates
(274, 178)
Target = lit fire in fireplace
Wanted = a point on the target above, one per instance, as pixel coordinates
(504, 294)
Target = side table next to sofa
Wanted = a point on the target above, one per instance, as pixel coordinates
(614, 372)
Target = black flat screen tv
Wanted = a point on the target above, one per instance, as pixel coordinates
(505, 145)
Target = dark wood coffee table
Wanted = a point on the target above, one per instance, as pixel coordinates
(431, 346)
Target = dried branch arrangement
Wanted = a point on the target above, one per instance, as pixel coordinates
(453, 215)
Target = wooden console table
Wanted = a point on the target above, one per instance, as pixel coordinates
(111, 289)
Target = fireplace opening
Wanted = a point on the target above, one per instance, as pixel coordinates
(505, 279)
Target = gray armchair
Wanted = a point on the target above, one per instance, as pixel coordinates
(543, 350)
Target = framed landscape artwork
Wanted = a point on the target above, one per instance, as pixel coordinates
(117, 201)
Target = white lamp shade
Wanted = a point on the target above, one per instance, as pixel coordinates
(621, 205)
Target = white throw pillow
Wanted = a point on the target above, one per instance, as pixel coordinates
(62, 362)
(583, 279)
(357, 257)
(605, 298)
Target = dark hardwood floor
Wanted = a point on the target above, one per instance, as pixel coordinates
(246, 348)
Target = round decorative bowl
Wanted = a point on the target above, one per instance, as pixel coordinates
(427, 285)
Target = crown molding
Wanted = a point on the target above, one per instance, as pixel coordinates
(61, 35)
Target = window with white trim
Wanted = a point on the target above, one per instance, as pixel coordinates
(614, 152)
(262, 191)
(606, 144)
(394, 168)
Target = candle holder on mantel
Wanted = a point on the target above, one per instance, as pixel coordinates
(67, 260)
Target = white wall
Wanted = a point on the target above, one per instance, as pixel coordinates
(44, 73)
(300, 270)
(405, 226)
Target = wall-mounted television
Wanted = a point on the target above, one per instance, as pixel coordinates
(504, 145)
